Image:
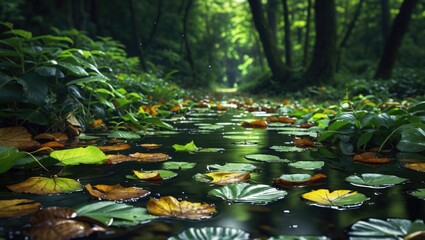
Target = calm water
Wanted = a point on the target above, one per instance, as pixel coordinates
(288, 216)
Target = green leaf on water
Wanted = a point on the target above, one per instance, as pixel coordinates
(165, 174)
(412, 140)
(189, 147)
(265, 158)
(308, 165)
(207, 233)
(288, 149)
(210, 150)
(8, 157)
(44, 185)
(115, 214)
(374, 180)
(289, 237)
(338, 199)
(391, 228)
(419, 193)
(178, 165)
(245, 192)
(123, 135)
(243, 167)
(75, 156)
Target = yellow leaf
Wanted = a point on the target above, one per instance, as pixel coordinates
(116, 192)
(18, 207)
(43, 185)
(171, 207)
(223, 178)
(324, 197)
(147, 175)
(416, 166)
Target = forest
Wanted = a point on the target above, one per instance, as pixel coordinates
(218, 119)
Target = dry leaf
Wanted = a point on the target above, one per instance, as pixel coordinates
(281, 119)
(18, 207)
(150, 157)
(43, 185)
(313, 180)
(416, 166)
(306, 125)
(116, 192)
(118, 158)
(370, 157)
(303, 142)
(224, 178)
(54, 136)
(117, 147)
(151, 145)
(51, 213)
(147, 175)
(255, 124)
(52, 144)
(17, 137)
(171, 207)
(176, 108)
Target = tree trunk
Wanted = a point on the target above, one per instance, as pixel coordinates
(288, 45)
(385, 19)
(279, 70)
(307, 35)
(399, 28)
(185, 36)
(271, 17)
(322, 66)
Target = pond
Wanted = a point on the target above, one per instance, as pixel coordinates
(290, 215)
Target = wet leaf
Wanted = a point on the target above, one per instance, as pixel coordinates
(115, 214)
(374, 180)
(419, 193)
(150, 157)
(17, 137)
(54, 136)
(8, 157)
(298, 180)
(169, 206)
(244, 167)
(245, 192)
(255, 124)
(265, 158)
(189, 147)
(287, 149)
(281, 119)
(416, 166)
(207, 233)
(335, 199)
(75, 156)
(151, 145)
(178, 165)
(303, 142)
(210, 150)
(293, 237)
(370, 157)
(118, 147)
(147, 175)
(116, 192)
(52, 145)
(52, 213)
(18, 207)
(222, 178)
(123, 135)
(43, 185)
(391, 228)
(412, 140)
(308, 165)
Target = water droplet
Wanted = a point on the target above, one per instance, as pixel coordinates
(286, 211)
(209, 66)
(377, 193)
(293, 226)
(182, 35)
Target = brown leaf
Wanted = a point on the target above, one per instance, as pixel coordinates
(52, 144)
(306, 125)
(303, 142)
(51, 213)
(118, 158)
(117, 147)
(116, 192)
(150, 157)
(171, 207)
(54, 136)
(285, 183)
(255, 124)
(281, 119)
(416, 166)
(17, 137)
(151, 145)
(224, 178)
(370, 157)
(18, 207)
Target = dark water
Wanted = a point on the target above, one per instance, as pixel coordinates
(288, 216)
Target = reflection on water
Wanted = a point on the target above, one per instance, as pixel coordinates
(291, 215)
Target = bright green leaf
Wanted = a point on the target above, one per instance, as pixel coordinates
(75, 156)
(8, 157)
(189, 147)
(245, 192)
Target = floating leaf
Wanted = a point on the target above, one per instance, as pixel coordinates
(265, 158)
(117, 147)
(210, 150)
(287, 149)
(370, 157)
(293, 237)
(222, 178)
(335, 199)
(255, 124)
(123, 135)
(150, 157)
(18, 207)
(164, 174)
(303, 142)
(245, 192)
(207, 233)
(374, 180)
(169, 206)
(416, 166)
(147, 175)
(189, 147)
(419, 193)
(54, 136)
(115, 214)
(151, 145)
(298, 180)
(8, 157)
(75, 156)
(244, 167)
(178, 165)
(391, 228)
(116, 192)
(17, 137)
(281, 119)
(412, 140)
(308, 165)
(43, 185)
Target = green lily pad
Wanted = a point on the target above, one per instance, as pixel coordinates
(299, 177)
(115, 214)
(287, 149)
(298, 133)
(391, 228)
(209, 127)
(241, 137)
(244, 167)
(75, 156)
(189, 147)
(178, 165)
(308, 165)
(265, 158)
(210, 150)
(123, 135)
(288, 237)
(374, 180)
(8, 157)
(207, 233)
(165, 174)
(419, 193)
(245, 192)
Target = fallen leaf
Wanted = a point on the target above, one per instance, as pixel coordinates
(337, 198)
(116, 192)
(17, 137)
(416, 166)
(151, 145)
(306, 125)
(251, 193)
(75, 156)
(18, 207)
(223, 178)
(147, 175)
(117, 147)
(54, 136)
(150, 157)
(170, 207)
(370, 157)
(188, 147)
(52, 144)
(281, 119)
(51, 213)
(303, 142)
(118, 158)
(298, 180)
(43, 185)
(255, 124)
